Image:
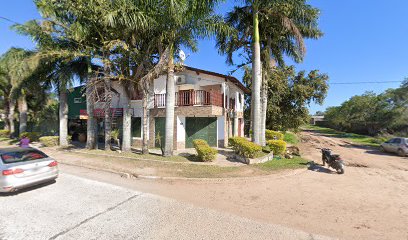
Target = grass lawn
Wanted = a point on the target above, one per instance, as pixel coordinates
(283, 163)
(177, 168)
(290, 138)
(352, 137)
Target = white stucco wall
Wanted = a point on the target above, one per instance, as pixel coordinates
(181, 130)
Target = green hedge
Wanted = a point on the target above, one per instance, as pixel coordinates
(273, 135)
(4, 133)
(277, 146)
(33, 136)
(204, 151)
(244, 148)
(49, 141)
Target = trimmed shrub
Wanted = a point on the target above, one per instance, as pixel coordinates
(4, 133)
(273, 135)
(33, 136)
(204, 151)
(232, 141)
(244, 148)
(49, 141)
(278, 147)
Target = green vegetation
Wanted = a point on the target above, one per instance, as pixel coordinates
(372, 114)
(273, 135)
(245, 148)
(4, 133)
(278, 147)
(33, 136)
(290, 138)
(49, 141)
(283, 163)
(204, 151)
(352, 137)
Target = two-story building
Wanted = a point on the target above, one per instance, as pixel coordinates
(208, 106)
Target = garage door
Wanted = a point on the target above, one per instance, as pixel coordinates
(201, 128)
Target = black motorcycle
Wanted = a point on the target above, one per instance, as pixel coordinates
(333, 160)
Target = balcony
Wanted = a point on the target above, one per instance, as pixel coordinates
(191, 98)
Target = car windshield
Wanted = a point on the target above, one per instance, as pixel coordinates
(22, 156)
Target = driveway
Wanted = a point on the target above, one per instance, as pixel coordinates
(79, 208)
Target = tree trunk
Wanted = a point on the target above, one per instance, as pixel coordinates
(170, 101)
(127, 122)
(23, 108)
(12, 106)
(264, 105)
(145, 144)
(91, 125)
(108, 123)
(6, 113)
(256, 79)
(63, 116)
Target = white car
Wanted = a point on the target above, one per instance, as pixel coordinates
(396, 145)
(25, 167)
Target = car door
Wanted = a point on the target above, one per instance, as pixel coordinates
(395, 145)
(388, 145)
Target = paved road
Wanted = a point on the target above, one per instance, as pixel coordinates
(79, 208)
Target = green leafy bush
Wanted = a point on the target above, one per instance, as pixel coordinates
(49, 141)
(204, 151)
(232, 141)
(4, 133)
(244, 148)
(273, 135)
(278, 147)
(33, 136)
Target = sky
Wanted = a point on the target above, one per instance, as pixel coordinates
(364, 41)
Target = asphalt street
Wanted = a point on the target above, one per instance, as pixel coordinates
(78, 208)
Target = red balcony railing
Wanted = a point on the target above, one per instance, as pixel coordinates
(191, 98)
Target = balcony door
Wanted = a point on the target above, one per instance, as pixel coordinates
(185, 97)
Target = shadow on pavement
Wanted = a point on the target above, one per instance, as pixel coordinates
(319, 168)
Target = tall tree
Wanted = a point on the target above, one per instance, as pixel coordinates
(281, 25)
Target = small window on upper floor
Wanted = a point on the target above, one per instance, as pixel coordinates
(77, 100)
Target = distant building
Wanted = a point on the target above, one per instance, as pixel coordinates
(315, 119)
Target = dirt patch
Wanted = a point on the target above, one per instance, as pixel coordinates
(370, 201)
(356, 165)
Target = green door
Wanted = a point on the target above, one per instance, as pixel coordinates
(201, 128)
(159, 129)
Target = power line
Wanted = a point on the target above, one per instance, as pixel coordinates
(8, 20)
(352, 83)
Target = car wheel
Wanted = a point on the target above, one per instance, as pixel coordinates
(401, 153)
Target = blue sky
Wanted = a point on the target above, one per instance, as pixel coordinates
(364, 41)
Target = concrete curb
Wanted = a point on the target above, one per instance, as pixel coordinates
(129, 175)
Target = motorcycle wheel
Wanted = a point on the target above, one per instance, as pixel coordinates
(340, 169)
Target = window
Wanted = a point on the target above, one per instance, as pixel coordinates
(22, 156)
(136, 127)
(397, 140)
(77, 100)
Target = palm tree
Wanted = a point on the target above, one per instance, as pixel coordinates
(180, 23)
(16, 76)
(280, 33)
